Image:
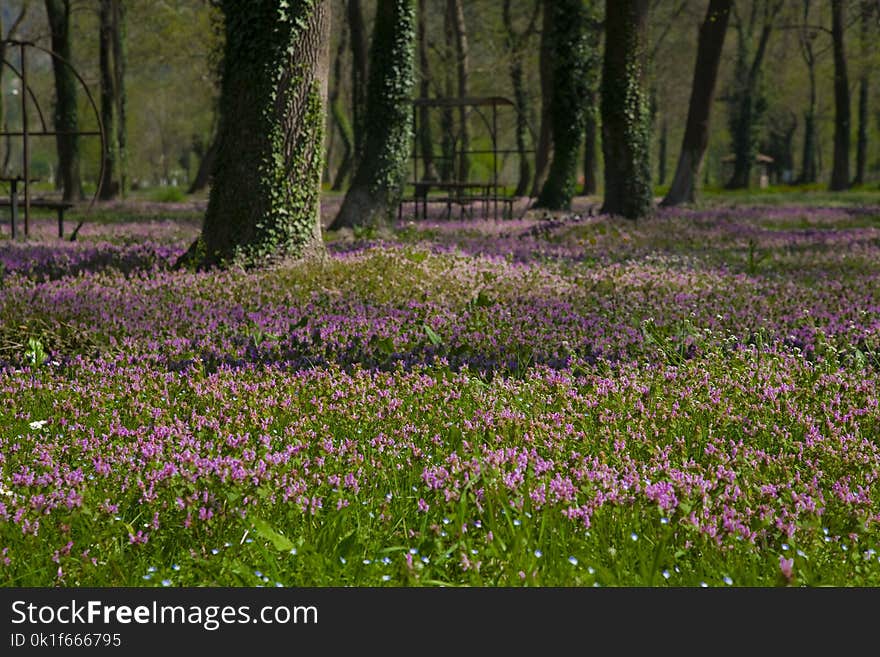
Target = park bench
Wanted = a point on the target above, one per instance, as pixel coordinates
(44, 203)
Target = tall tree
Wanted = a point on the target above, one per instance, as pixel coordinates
(339, 115)
(108, 98)
(448, 141)
(65, 115)
(840, 163)
(667, 22)
(375, 192)
(591, 145)
(806, 38)
(868, 37)
(591, 110)
(120, 62)
(571, 68)
(462, 66)
(710, 45)
(746, 105)
(626, 133)
(516, 42)
(544, 149)
(359, 63)
(208, 158)
(265, 200)
(426, 139)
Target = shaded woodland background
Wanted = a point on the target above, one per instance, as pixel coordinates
(163, 58)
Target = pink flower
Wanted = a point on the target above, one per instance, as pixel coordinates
(786, 566)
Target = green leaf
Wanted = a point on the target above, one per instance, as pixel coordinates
(435, 339)
(279, 541)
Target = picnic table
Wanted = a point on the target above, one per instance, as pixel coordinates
(463, 194)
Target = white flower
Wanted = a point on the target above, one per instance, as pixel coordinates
(38, 424)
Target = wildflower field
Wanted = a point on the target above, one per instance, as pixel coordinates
(690, 400)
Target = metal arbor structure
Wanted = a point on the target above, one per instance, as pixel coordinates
(25, 133)
(456, 190)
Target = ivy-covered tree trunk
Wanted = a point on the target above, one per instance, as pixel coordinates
(840, 166)
(264, 202)
(571, 68)
(374, 195)
(626, 135)
(65, 115)
(710, 44)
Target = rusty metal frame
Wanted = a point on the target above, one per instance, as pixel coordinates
(472, 105)
(26, 134)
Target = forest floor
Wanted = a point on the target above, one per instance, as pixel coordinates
(582, 400)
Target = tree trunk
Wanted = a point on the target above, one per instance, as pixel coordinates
(710, 45)
(591, 119)
(462, 69)
(120, 62)
(808, 174)
(544, 150)
(359, 63)
(426, 139)
(591, 161)
(840, 168)
(626, 138)
(867, 10)
(374, 195)
(661, 154)
(108, 99)
(746, 105)
(205, 170)
(337, 112)
(65, 115)
(265, 200)
(516, 42)
(808, 162)
(571, 69)
(520, 98)
(448, 142)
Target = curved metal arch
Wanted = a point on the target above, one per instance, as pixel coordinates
(82, 82)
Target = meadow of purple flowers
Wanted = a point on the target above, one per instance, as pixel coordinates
(585, 400)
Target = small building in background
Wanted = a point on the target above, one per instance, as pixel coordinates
(760, 175)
